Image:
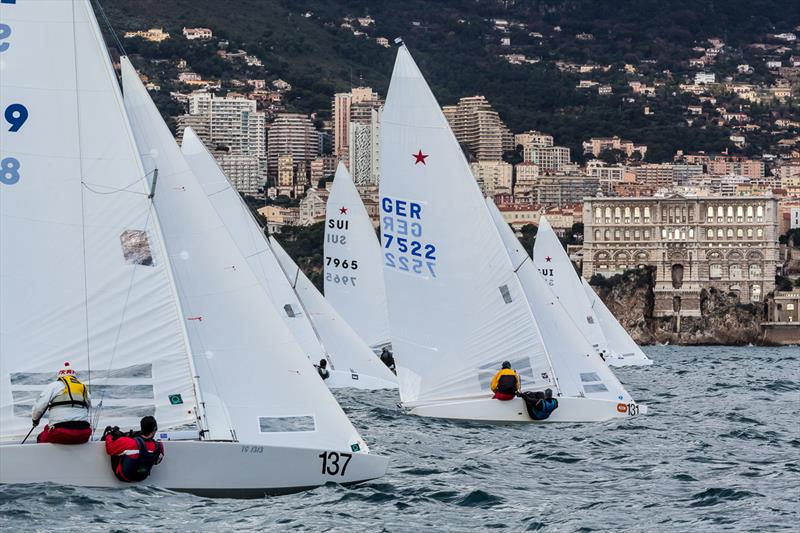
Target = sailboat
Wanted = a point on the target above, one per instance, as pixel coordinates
(352, 362)
(353, 264)
(555, 265)
(457, 308)
(124, 269)
(349, 365)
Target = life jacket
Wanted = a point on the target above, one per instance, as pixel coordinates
(507, 384)
(324, 373)
(539, 405)
(131, 469)
(73, 395)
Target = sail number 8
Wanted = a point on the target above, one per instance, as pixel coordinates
(334, 463)
(9, 171)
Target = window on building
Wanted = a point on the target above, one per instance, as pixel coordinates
(710, 233)
(608, 235)
(608, 215)
(647, 214)
(729, 233)
(598, 214)
(616, 234)
(760, 233)
(637, 234)
(735, 271)
(760, 213)
(636, 214)
(597, 234)
(720, 234)
(627, 234)
(715, 271)
(730, 213)
(749, 233)
(749, 213)
(739, 233)
(754, 271)
(755, 293)
(663, 233)
(691, 233)
(720, 214)
(739, 214)
(627, 215)
(710, 214)
(617, 215)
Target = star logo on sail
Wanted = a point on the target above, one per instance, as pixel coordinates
(548, 258)
(419, 157)
(343, 210)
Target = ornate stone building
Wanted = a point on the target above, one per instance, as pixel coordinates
(729, 243)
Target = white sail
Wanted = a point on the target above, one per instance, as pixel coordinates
(552, 261)
(352, 363)
(257, 384)
(579, 369)
(84, 276)
(251, 241)
(353, 263)
(456, 308)
(618, 339)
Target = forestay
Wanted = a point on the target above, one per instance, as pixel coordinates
(251, 241)
(348, 354)
(552, 261)
(257, 384)
(456, 309)
(578, 367)
(84, 277)
(618, 339)
(353, 264)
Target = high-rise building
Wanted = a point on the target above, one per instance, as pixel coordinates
(292, 134)
(478, 127)
(342, 116)
(493, 177)
(549, 158)
(234, 132)
(532, 138)
(364, 146)
(527, 173)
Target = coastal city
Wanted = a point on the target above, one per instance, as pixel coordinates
(724, 222)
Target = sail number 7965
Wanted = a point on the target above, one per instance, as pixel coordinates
(334, 463)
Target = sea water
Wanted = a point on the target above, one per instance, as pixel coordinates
(720, 450)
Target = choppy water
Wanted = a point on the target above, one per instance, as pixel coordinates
(719, 451)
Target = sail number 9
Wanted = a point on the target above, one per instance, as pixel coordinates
(334, 463)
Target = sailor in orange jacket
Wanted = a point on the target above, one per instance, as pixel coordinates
(505, 383)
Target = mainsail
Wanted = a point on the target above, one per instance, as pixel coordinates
(456, 308)
(580, 372)
(257, 384)
(353, 364)
(84, 276)
(552, 261)
(353, 263)
(251, 241)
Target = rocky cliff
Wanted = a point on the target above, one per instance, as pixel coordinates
(724, 319)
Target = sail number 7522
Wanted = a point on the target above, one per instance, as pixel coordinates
(334, 463)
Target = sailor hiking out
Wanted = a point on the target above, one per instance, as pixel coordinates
(506, 383)
(66, 402)
(322, 369)
(134, 454)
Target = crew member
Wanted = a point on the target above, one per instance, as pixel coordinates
(133, 455)
(322, 368)
(505, 383)
(66, 402)
(388, 359)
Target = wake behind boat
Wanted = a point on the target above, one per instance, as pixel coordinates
(457, 308)
(113, 257)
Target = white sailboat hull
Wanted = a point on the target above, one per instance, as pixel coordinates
(341, 379)
(215, 469)
(485, 409)
(621, 361)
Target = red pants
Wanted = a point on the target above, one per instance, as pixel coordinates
(60, 435)
(503, 396)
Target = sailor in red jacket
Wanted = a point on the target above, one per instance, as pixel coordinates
(134, 455)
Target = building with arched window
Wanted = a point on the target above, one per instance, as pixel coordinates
(695, 243)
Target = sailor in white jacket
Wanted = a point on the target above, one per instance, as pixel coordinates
(66, 402)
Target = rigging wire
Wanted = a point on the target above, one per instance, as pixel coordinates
(110, 28)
